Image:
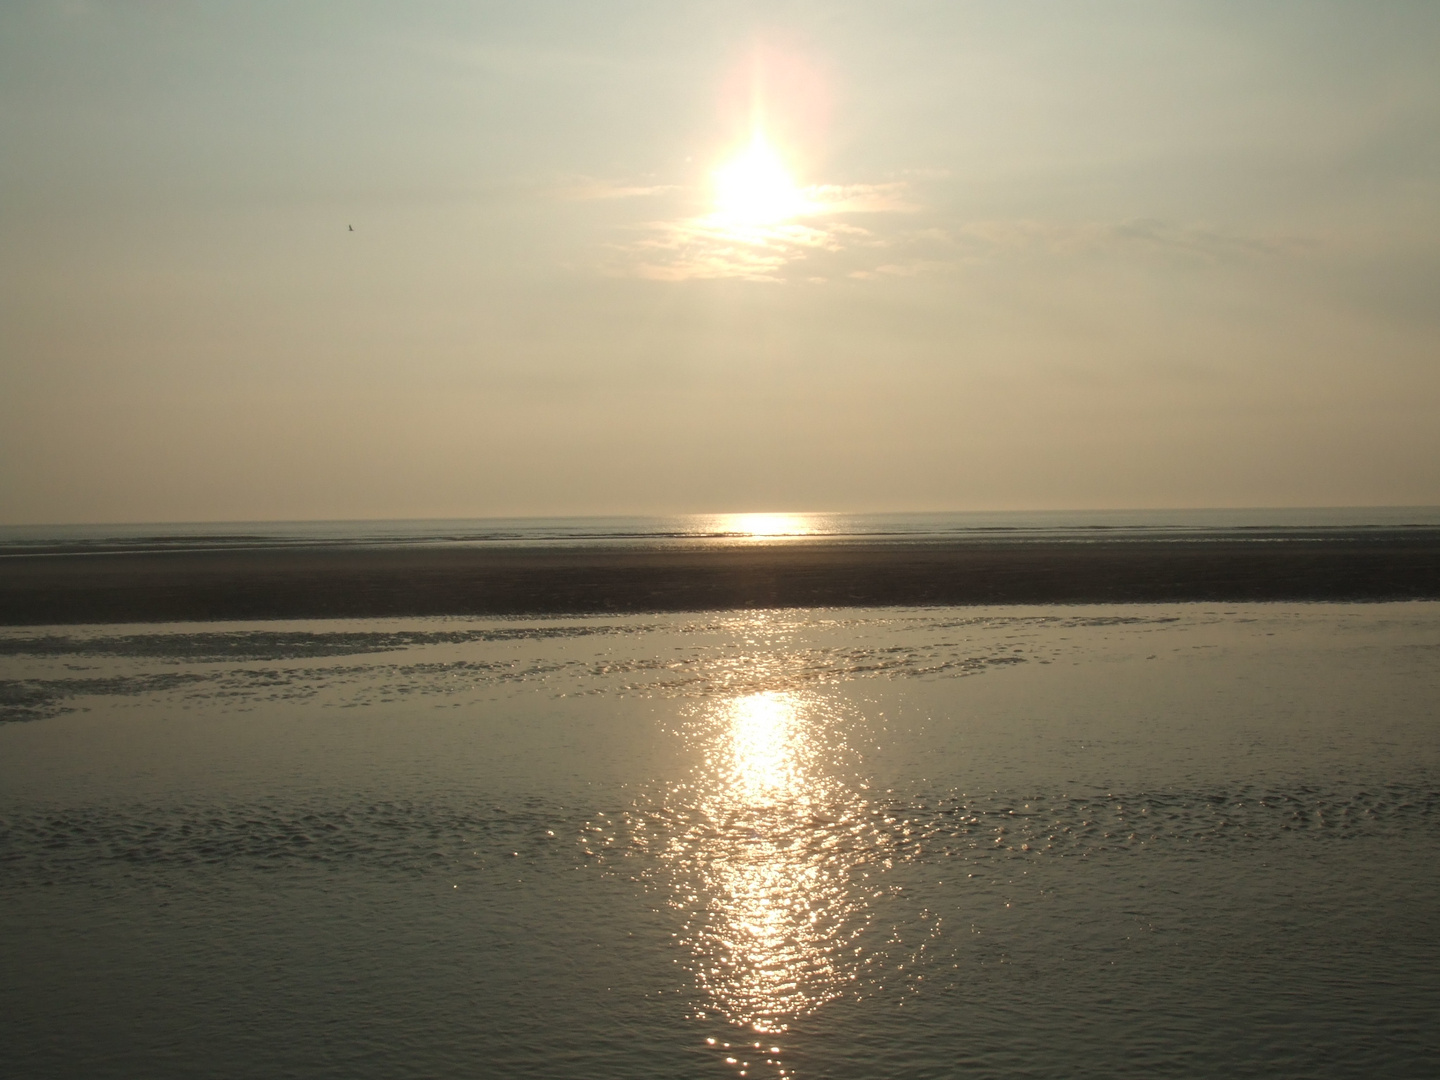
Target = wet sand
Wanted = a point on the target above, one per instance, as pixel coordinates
(362, 581)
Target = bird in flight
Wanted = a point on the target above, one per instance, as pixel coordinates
(352, 228)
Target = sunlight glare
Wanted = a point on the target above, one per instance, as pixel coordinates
(763, 865)
(765, 746)
(759, 525)
(755, 188)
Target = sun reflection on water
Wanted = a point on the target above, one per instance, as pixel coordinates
(763, 749)
(762, 848)
(764, 525)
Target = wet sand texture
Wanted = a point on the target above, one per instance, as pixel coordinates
(408, 581)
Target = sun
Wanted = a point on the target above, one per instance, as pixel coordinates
(755, 188)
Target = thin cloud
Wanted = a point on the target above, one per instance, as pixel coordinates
(891, 198)
(708, 246)
(704, 248)
(939, 247)
(587, 189)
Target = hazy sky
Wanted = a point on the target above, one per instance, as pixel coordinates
(1030, 255)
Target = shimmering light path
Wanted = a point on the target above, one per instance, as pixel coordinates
(760, 849)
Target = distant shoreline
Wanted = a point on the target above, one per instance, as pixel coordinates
(425, 580)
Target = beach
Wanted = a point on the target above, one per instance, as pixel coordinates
(1180, 840)
(924, 795)
(377, 580)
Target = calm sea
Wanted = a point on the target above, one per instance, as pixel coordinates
(689, 529)
(1158, 841)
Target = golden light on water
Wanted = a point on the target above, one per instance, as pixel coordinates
(762, 525)
(764, 844)
(762, 755)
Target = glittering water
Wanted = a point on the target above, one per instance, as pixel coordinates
(1148, 841)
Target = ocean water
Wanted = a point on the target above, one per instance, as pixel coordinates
(1287, 523)
(1186, 840)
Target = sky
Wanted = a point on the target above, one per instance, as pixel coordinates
(310, 260)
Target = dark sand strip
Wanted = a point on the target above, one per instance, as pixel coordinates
(402, 581)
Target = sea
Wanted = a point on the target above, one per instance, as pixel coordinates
(1180, 840)
(1289, 523)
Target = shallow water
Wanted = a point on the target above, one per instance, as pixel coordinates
(1150, 841)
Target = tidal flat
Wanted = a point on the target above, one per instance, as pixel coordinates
(1186, 840)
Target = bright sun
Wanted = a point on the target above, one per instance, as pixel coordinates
(755, 188)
